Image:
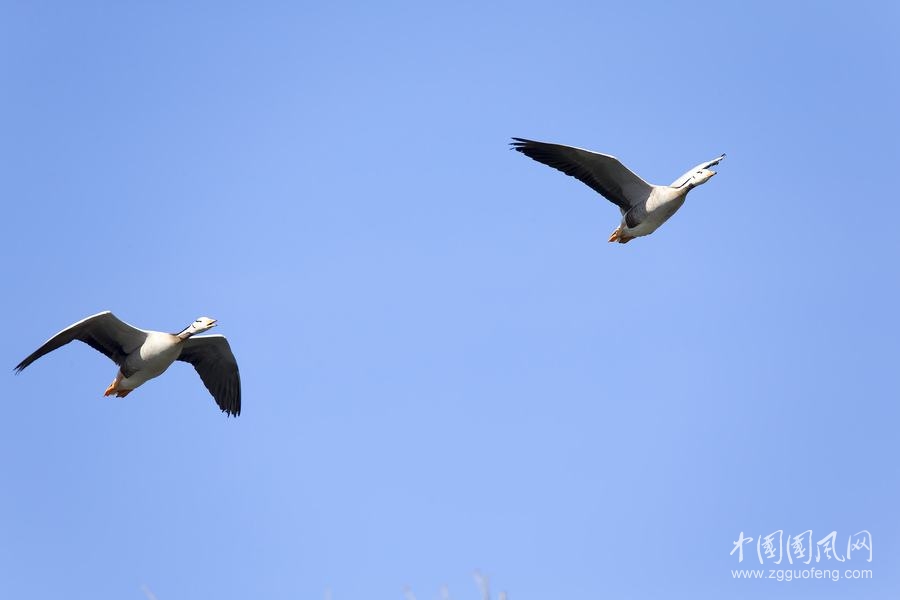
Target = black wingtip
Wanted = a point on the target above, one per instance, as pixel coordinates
(519, 144)
(231, 411)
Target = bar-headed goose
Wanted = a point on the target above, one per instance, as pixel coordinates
(142, 355)
(644, 206)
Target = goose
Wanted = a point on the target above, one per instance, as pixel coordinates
(142, 355)
(644, 206)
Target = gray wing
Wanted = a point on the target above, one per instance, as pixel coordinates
(103, 332)
(601, 172)
(683, 179)
(212, 358)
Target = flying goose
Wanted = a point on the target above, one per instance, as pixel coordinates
(644, 206)
(142, 355)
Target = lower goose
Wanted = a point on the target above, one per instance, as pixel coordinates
(142, 355)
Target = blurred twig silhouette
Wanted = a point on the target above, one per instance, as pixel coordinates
(150, 595)
(481, 580)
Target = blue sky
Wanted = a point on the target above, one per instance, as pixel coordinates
(445, 366)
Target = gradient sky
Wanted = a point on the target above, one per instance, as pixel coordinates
(445, 366)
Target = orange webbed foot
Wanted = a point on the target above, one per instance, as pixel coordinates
(615, 235)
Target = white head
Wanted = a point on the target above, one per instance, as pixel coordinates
(700, 177)
(199, 326)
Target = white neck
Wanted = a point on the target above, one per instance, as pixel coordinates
(186, 332)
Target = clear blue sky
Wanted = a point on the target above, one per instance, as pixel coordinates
(445, 366)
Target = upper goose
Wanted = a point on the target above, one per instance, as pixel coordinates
(143, 355)
(644, 206)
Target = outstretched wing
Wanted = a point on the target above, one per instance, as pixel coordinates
(212, 358)
(601, 172)
(684, 178)
(103, 332)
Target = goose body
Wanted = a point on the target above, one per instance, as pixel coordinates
(154, 356)
(644, 206)
(142, 355)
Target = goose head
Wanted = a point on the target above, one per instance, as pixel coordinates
(701, 176)
(200, 325)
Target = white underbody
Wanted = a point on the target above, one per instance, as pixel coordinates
(664, 201)
(151, 360)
